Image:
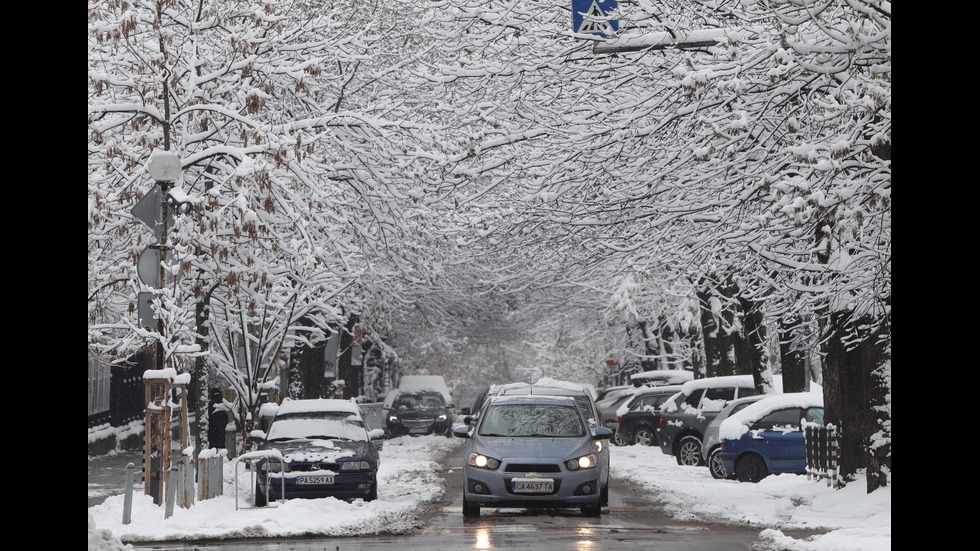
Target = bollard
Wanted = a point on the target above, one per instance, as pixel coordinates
(128, 495)
(231, 442)
(187, 496)
(217, 474)
(172, 480)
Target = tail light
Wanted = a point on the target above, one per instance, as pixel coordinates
(663, 422)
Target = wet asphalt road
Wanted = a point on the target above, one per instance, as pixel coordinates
(632, 521)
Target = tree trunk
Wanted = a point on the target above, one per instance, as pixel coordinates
(851, 391)
(203, 378)
(792, 355)
(666, 337)
(345, 370)
(754, 330)
(711, 334)
(876, 358)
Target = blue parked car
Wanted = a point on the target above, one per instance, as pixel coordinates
(766, 437)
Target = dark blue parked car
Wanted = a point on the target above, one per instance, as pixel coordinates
(317, 448)
(766, 437)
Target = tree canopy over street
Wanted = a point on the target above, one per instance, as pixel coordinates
(476, 187)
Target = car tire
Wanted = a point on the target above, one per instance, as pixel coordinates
(689, 452)
(620, 440)
(715, 466)
(604, 496)
(373, 495)
(593, 510)
(469, 509)
(750, 468)
(644, 436)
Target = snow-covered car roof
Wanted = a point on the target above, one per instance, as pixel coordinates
(722, 381)
(669, 390)
(410, 383)
(545, 382)
(533, 399)
(737, 424)
(318, 404)
(661, 377)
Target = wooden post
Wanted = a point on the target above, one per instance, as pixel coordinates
(157, 435)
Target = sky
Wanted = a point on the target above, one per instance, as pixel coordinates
(854, 519)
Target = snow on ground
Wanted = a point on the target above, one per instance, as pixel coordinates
(409, 478)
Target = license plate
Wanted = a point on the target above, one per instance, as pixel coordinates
(319, 479)
(417, 431)
(532, 485)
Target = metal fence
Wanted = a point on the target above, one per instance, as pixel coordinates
(98, 386)
(822, 453)
(115, 391)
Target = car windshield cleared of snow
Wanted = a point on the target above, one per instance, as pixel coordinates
(322, 425)
(532, 420)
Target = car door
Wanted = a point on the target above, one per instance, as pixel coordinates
(778, 438)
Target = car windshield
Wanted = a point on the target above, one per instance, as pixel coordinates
(432, 400)
(322, 425)
(532, 420)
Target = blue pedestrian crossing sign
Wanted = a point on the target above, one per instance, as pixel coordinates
(591, 16)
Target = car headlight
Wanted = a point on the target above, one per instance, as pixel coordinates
(442, 417)
(355, 466)
(392, 418)
(584, 462)
(598, 446)
(483, 462)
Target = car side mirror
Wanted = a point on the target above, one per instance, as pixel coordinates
(462, 431)
(602, 433)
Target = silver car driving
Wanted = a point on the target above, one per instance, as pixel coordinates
(531, 451)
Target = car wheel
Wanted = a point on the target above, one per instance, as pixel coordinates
(260, 500)
(374, 491)
(594, 510)
(689, 451)
(604, 496)
(470, 509)
(644, 437)
(750, 468)
(715, 465)
(620, 440)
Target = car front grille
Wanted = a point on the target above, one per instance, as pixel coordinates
(418, 423)
(306, 467)
(532, 468)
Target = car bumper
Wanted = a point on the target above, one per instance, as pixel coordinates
(494, 489)
(348, 486)
(399, 429)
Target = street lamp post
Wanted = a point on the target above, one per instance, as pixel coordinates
(164, 168)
